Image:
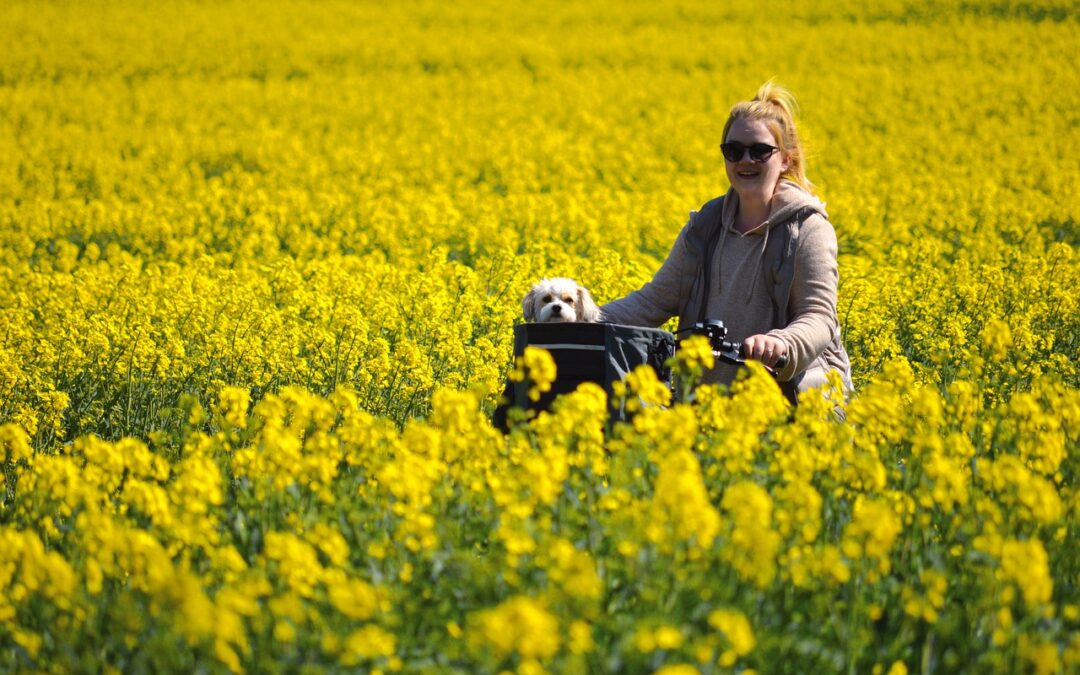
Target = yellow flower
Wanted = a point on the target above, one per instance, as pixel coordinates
(871, 533)
(1025, 564)
(233, 405)
(520, 625)
(752, 544)
(667, 637)
(15, 443)
(898, 668)
(1040, 655)
(695, 355)
(736, 630)
(367, 643)
(572, 570)
(649, 639)
(284, 631)
(31, 642)
(538, 367)
(678, 669)
(647, 389)
(929, 604)
(354, 598)
(580, 639)
(996, 338)
(680, 511)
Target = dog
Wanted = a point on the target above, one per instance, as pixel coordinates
(559, 300)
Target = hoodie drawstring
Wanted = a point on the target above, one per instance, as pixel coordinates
(757, 265)
(719, 260)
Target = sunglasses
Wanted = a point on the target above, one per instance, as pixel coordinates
(759, 152)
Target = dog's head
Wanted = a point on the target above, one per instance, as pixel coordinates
(559, 300)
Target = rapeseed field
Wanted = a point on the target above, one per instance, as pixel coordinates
(259, 269)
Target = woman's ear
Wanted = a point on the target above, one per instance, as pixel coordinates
(528, 306)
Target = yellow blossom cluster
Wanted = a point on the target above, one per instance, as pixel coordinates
(538, 368)
(259, 273)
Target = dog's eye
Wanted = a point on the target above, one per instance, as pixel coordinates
(547, 298)
(567, 299)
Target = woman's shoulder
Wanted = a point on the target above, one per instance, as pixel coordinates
(816, 233)
(715, 202)
(706, 219)
(710, 210)
(817, 220)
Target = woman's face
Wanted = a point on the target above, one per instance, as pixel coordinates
(754, 180)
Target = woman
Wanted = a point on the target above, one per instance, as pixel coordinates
(761, 258)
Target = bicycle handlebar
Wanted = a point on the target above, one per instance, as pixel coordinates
(731, 352)
(726, 350)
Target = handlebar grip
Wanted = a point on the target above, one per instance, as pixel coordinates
(781, 362)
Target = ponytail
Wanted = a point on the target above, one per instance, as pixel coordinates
(776, 106)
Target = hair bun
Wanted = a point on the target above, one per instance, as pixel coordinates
(779, 96)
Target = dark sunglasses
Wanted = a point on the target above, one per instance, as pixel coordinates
(759, 152)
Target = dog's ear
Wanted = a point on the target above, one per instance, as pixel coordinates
(528, 305)
(586, 308)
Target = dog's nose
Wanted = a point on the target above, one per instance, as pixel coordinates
(557, 309)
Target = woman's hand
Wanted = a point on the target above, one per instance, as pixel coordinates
(765, 348)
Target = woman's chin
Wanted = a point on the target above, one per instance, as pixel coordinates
(753, 188)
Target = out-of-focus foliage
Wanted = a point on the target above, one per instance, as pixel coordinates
(259, 266)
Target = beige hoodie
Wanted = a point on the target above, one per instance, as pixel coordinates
(740, 294)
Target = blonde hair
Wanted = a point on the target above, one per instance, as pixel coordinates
(776, 107)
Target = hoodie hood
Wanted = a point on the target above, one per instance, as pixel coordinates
(788, 200)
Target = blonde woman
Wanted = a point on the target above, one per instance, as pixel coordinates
(761, 258)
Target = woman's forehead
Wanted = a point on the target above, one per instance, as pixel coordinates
(750, 131)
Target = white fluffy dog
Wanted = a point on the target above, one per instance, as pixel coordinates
(559, 300)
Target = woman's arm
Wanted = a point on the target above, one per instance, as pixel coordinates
(658, 300)
(812, 305)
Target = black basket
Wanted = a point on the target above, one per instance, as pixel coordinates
(603, 353)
